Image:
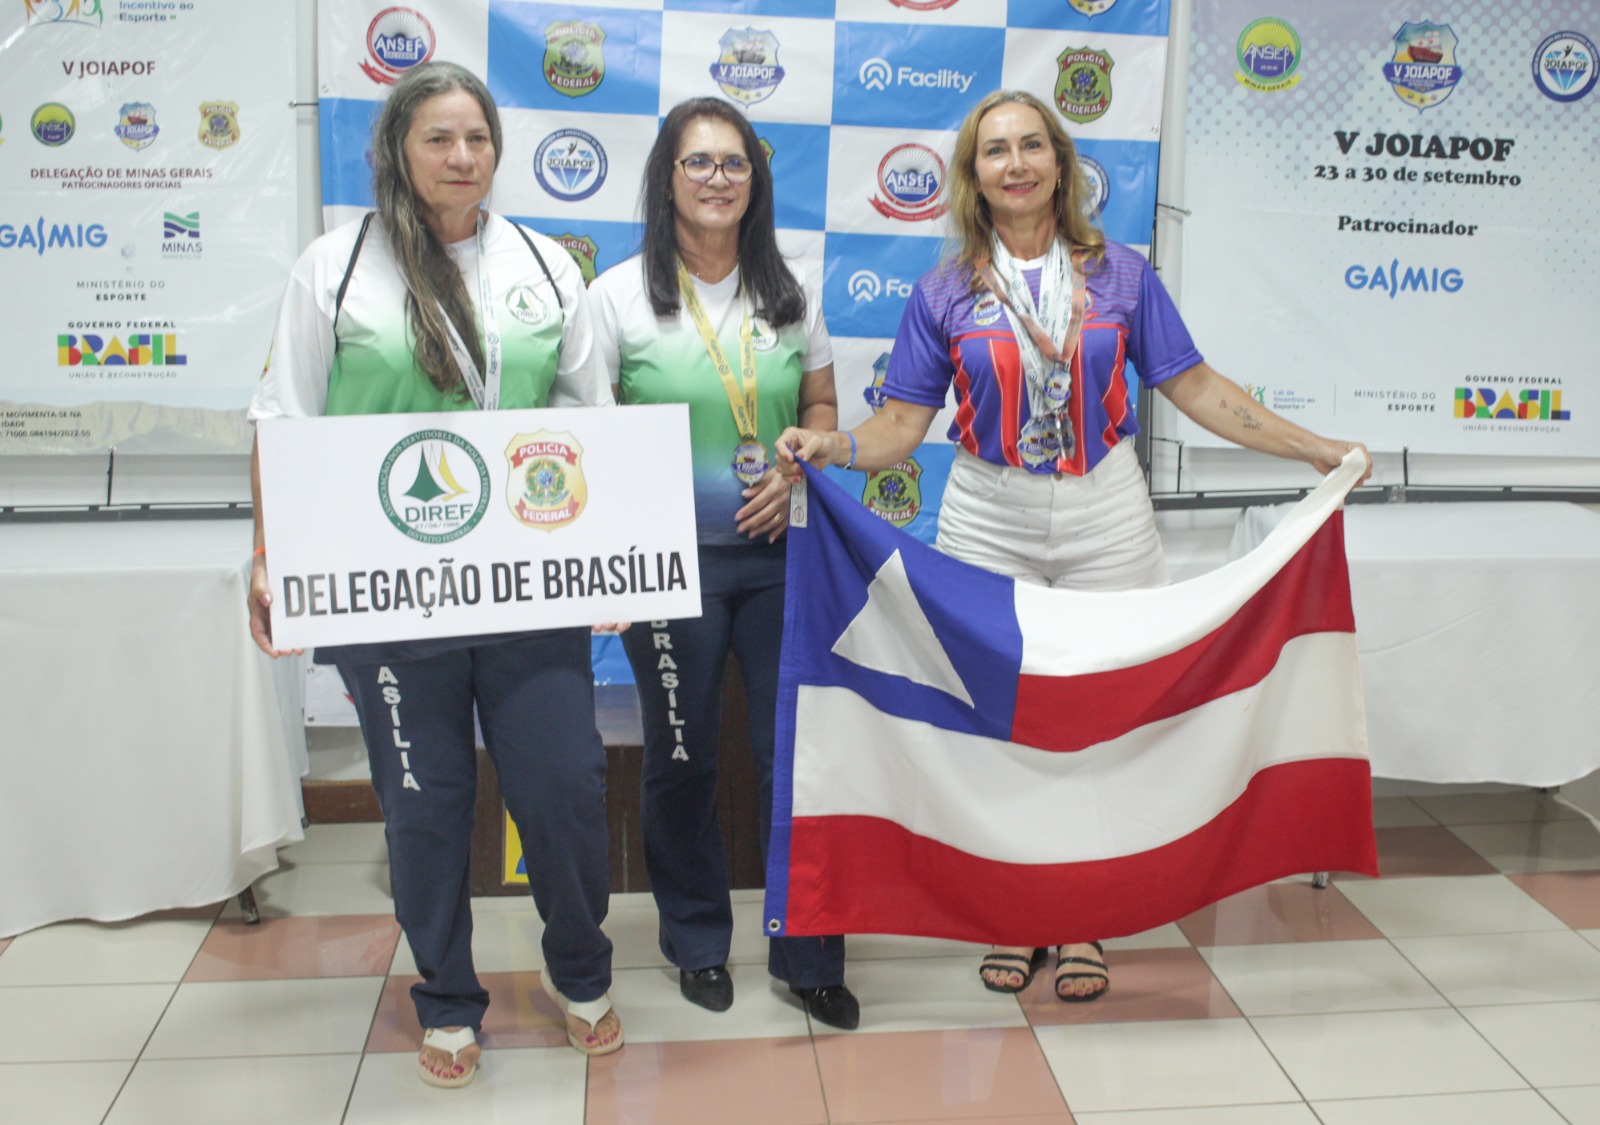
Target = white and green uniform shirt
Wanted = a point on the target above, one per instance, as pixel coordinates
(663, 359)
(548, 356)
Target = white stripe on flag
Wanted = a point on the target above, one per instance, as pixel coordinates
(1001, 801)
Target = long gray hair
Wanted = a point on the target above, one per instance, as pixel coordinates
(432, 280)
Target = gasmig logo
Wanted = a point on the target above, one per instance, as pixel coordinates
(574, 59)
(570, 164)
(136, 127)
(1423, 72)
(1269, 54)
(524, 304)
(142, 349)
(546, 488)
(895, 493)
(397, 40)
(1395, 279)
(911, 179)
(1533, 404)
(180, 235)
(1083, 87)
(584, 251)
(421, 492)
(874, 390)
(1564, 66)
(66, 11)
(1092, 8)
(53, 124)
(40, 236)
(747, 70)
(219, 124)
(1099, 183)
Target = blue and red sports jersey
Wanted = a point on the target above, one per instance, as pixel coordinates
(953, 334)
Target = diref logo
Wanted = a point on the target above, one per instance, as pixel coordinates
(545, 488)
(424, 491)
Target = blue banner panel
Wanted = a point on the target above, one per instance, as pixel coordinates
(799, 171)
(596, 246)
(1123, 176)
(344, 130)
(866, 279)
(914, 77)
(815, 9)
(1109, 17)
(574, 58)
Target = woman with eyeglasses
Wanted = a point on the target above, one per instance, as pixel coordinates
(709, 314)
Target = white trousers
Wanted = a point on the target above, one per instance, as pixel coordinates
(1095, 532)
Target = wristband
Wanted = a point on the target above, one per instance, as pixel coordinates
(258, 552)
(851, 463)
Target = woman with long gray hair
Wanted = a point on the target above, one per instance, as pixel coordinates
(433, 303)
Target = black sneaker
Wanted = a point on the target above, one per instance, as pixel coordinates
(711, 988)
(834, 1005)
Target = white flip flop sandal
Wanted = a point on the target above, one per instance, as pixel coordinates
(590, 1012)
(453, 1042)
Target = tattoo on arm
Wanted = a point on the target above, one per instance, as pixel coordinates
(1246, 418)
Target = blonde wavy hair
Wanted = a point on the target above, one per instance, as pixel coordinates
(972, 228)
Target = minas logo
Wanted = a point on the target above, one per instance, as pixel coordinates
(879, 74)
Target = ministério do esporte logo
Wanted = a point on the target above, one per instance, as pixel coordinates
(434, 486)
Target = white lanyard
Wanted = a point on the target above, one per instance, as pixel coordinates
(485, 389)
(1037, 325)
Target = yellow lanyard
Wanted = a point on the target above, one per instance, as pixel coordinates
(741, 385)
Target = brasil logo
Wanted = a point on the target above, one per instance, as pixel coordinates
(422, 493)
(1269, 54)
(1564, 66)
(1083, 86)
(747, 70)
(546, 489)
(574, 63)
(1423, 72)
(894, 494)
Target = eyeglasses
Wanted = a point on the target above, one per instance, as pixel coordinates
(701, 168)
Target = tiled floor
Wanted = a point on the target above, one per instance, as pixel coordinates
(1462, 988)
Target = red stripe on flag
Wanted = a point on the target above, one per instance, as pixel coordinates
(1311, 594)
(864, 875)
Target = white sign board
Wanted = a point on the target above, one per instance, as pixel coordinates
(386, 527)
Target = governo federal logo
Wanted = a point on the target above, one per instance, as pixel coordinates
(434, 486)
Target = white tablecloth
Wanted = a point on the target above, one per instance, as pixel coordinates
(1478, 627)
(150, 754)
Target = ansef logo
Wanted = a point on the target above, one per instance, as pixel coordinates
(865, 285)
(877, 74)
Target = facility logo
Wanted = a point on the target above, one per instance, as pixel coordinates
(1564, 66)
(1395, 280)
(879, 74)
(570, 164)
(874, 390)
(747, 70)
(1269, 54)
(180, 235)
(524, 304)
(584, 251)
(219, 124)
(1533, 404)
(546, 488)
(1099, 184)
(142, 349)
(40, 236)
(895, 493)
(866, 285)
(1083, 87)
(911, 180)
(87, 12)
(574, 60)
(1092, 8)
(1423, 72)
(53, 124)
(397, 40)
(420, 486)
(136, 127)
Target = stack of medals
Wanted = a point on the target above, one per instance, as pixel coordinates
(750, 462)
(1047, 436)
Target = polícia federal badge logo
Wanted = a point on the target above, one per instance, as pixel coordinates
(434, 486)
(895, 493)
(219, 124)
(546, 488)
(574, 57)
(747, 70)
(1083, 86)
(584, 250)
(1423, 72)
